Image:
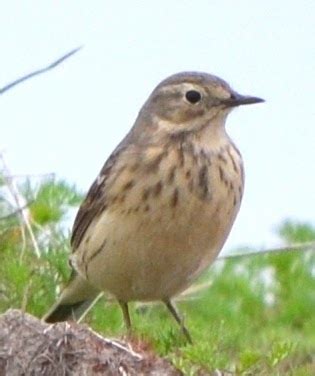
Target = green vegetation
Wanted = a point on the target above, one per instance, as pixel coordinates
(251, 315)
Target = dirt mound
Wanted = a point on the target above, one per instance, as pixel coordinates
(31, 347)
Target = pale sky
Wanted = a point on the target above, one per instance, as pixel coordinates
(69, 120)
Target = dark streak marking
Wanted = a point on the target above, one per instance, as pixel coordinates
(217, 208)
(181, 156)
(203, 181)
(179, 136)
(154, 165)
(128, 185)
(222, 158)
(98, 250)
(86, 270)
(174, 200)
(147, 208)
(122, 198)
(203, 176)
(83, 260)
(205, 156)
(114, 199)
(134, 167)
(171, 175)
(145, 194)
(157, 188)
(234, 201)
(188, 174)
(222, 178)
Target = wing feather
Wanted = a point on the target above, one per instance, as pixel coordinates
(95, 201)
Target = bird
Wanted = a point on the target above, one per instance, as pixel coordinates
(164, 203)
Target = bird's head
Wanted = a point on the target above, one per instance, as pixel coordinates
(188, 101)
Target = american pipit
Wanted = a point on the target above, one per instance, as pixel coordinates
(164, 203)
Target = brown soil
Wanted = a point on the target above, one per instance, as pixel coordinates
(29, 346)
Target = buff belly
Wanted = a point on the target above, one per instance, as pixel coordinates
(157, 251)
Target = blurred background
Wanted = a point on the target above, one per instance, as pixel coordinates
(69, 120)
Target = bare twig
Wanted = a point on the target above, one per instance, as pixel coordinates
(18, 211)
(300, 247)
(39, 71)
(8, 178)
(20, 202)
(48, 175)
(81, 318)
(118, 345)
(195, 288)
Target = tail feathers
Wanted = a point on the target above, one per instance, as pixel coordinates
(75, 300)
(64, 312)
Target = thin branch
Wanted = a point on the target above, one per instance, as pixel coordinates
(118, 345)
(18, 211)
(81, 318)
(47, 175)
(39, 71)
(301, 247)
(20, 202)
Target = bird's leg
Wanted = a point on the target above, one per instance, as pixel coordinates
(172, 309)
(126, 316)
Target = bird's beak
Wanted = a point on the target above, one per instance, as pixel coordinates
(238, 100)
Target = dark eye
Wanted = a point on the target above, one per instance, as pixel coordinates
(193, 96)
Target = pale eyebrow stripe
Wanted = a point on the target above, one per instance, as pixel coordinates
(179, 87)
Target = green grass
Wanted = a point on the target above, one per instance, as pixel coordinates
(256, 317)
(232, 325)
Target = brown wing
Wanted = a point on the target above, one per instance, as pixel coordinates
(95, 201)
